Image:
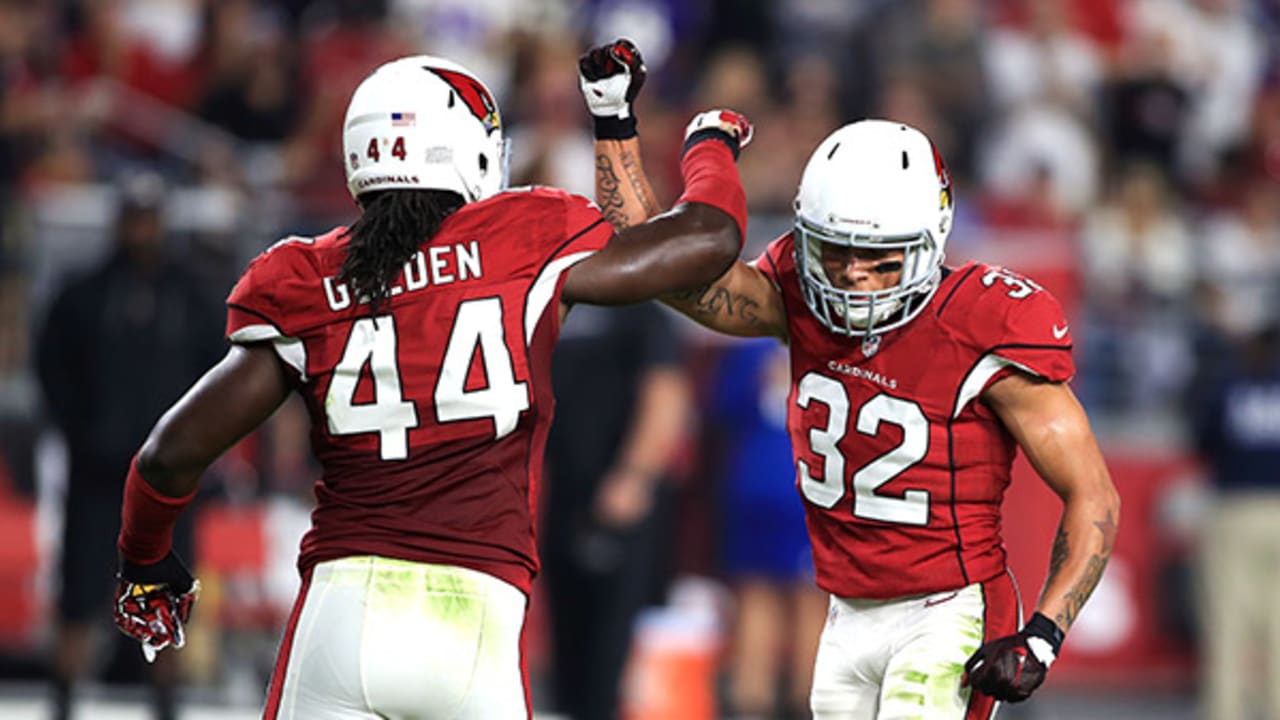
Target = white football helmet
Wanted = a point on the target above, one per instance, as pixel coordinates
(424, 122)
(873, 185)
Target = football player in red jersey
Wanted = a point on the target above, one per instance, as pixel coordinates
(420, 339)
(913, 385)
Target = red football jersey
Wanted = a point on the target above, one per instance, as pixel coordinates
(429, 420)
(901, 469)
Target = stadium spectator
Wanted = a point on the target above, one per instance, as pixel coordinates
(118, 345)
(427, 382)
(1137, 254)
(1144, 104)
(764, 547)
(608, 510)
(555, 149)
(1237, 432)
(250, 78)
(734, 77)
(938, 45)
(1043, 60)
(1241, 249)
(147, 46)
(1218, 56)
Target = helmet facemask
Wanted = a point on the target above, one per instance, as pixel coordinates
(855, 313)
(872, 186)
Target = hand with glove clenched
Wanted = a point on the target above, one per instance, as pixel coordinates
(727, 125)
(610, 77)
(153, 603)
(1010, 668)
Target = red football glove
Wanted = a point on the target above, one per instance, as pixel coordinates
(729, 122)
(153, 603)
(1010, 668)
(729, 127)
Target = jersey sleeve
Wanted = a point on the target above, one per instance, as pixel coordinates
(1038, 338)
(253, 307)
(258, 308)
(580, 232)
(1013, 325)
(585, 228)
(1023, 325)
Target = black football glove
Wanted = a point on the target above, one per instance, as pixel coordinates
(611, 77)
(153, 603)
(1010, 668)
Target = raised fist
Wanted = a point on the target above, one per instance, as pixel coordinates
(611, 77)
(731, 128)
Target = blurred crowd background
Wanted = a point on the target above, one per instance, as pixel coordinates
(1123, 153)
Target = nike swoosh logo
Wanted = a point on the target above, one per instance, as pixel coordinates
(1060, 332)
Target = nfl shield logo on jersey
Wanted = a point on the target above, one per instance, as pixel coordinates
(870, 345)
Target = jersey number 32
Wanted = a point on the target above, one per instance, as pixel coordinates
(912, 508)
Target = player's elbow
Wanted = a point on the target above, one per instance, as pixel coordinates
(164, 460)
(1111, 500)
(1101, 495)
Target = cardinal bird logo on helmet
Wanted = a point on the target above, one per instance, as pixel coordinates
(944, 178)
(478, 100)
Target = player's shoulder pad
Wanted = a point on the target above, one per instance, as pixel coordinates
(992, 306)
(537, 203)
(560, 213)
(281, 271)
(539, 194)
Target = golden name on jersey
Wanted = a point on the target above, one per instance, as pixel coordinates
(437, 265)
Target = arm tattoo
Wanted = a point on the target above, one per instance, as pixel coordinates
(609, 193)
(1075, 598)
(631, 166)
(709, 301)
(1060, 551)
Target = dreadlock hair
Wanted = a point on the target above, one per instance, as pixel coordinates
(390, 230)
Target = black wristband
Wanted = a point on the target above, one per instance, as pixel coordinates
(614, 128)
(711, 133)
(169, 571)
(1045, 629)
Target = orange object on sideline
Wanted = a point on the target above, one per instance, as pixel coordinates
(672, 670)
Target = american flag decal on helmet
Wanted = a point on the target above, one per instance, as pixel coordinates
(478, 100)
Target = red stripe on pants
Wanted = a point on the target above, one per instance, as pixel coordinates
(276, 690)
(1000, 618)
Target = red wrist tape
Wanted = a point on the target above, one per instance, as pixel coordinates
(147, 520)
(711, 178)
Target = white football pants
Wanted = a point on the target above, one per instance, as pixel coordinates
(902, 659)
(372, 638)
